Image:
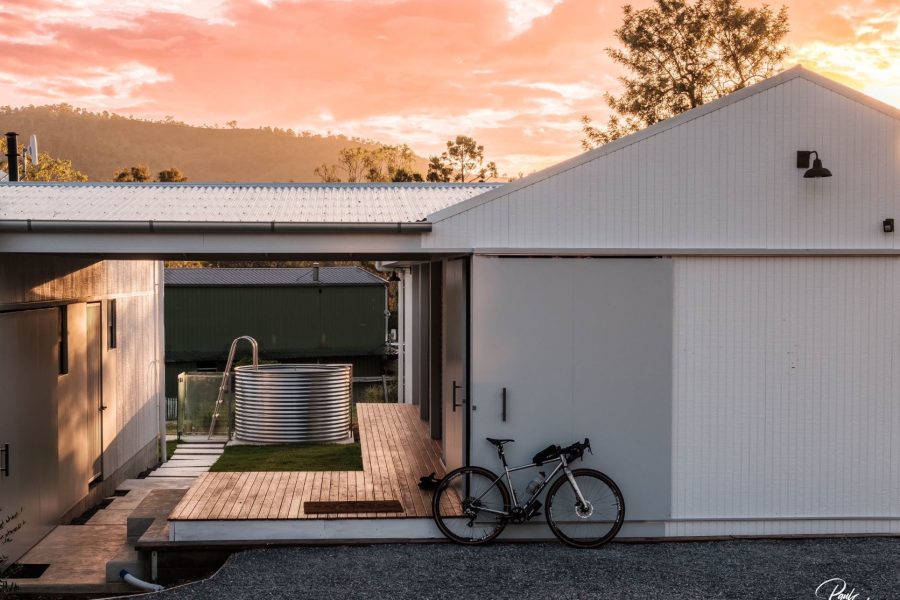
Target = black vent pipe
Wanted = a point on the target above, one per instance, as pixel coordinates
(12, 155)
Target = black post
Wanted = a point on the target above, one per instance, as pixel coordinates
(12, 155)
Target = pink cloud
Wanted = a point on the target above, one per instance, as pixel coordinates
(515, 74)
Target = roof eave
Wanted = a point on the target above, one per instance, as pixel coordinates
(69, 226)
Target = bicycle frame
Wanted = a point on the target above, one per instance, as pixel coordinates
(507, 470)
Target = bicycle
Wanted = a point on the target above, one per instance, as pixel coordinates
(472, 505)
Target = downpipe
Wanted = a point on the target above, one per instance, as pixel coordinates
(139, 583)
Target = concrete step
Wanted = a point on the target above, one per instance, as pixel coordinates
(199, 445)
(156, 506)
(129, 559)
(178, 472)
(110, 516)
(193, 461)
(182, 451)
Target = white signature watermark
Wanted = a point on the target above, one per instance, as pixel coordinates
(836, 589)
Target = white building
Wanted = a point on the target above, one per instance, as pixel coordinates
(726, 331)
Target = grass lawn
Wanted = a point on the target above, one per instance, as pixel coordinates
(291, 457)
(170, 448)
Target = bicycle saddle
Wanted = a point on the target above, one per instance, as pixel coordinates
(498, 443)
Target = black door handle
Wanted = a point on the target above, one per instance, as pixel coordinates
(503, 411)
(455, 404)
(4, 464)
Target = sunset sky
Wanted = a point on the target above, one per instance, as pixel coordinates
(515, 74)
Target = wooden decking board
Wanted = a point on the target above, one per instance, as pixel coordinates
(217, 495)
(250, 481)
(396, 451)
(405, 461)
(327, 507)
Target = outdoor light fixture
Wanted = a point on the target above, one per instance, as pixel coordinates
(888, 225)
(394, 276)
(817, 169)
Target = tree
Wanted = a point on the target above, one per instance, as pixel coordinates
(463, 161)
(231, 124)
(354, 162)
(682, 54)
(172, 175)
(380, 164)
(47, 169)
(137, 174)
(391, 163)
(402, 175)
(327, 173)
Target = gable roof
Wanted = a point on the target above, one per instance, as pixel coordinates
(797, 71)
(299, 276)
(229, 203)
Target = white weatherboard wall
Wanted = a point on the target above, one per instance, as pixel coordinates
(721, 176)
(786, 409)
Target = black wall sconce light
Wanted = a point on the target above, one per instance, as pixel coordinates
(888, 225)
(817, 169)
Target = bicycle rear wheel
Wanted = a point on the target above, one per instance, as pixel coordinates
(469, 505)
(590, 525)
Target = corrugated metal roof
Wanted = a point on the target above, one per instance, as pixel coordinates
(271, 276)
(241, 203)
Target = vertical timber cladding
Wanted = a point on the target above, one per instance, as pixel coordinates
(584, 349)
(786, 410)
(29, 371)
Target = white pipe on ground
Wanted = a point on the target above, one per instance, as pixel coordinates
(139, 583)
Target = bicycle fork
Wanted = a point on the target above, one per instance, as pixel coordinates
(571, 478)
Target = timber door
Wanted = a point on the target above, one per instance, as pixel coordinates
(455, 317)
(28, 444)
(94, 397)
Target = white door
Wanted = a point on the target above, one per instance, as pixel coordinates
(584, 349)
(455, 344)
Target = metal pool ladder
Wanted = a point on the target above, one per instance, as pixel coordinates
(224, 384)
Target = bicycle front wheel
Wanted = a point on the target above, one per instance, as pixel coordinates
(470, 505)
(586, 524)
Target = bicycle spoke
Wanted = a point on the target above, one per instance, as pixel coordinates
(469, 506)
(589, 524)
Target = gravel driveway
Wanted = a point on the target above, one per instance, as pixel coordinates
(730, 569)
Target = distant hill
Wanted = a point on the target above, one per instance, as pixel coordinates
(99, 144)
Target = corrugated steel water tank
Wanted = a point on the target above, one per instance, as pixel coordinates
(293, 403)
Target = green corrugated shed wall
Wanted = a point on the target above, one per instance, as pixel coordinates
(287, 321)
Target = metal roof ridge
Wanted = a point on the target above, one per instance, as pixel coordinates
(256, 184)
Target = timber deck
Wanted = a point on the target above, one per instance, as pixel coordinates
(396, 451)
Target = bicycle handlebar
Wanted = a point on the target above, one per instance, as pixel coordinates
(576, 450)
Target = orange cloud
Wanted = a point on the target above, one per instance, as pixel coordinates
(516, 74)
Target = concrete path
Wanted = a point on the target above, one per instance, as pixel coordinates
(78, 554)
(190, 460)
